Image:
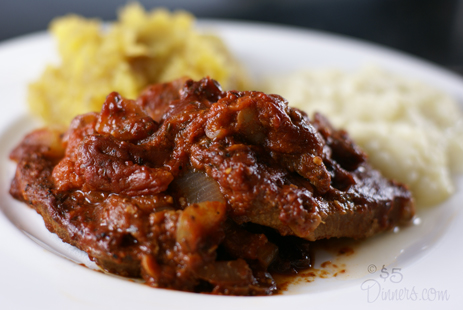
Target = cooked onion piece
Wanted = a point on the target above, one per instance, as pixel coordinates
(196, 187)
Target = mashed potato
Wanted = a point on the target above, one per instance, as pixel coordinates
(139, 49)
(411, 132)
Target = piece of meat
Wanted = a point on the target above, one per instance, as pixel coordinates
(116, 185)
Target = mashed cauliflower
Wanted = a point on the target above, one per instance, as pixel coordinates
(412, 132)
(139, 49)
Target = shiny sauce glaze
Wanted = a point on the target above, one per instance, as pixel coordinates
(193, 188)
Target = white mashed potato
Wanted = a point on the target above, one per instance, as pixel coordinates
(412, 132)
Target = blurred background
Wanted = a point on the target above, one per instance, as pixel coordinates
(429, 29)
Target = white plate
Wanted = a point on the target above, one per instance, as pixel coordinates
(38, 271)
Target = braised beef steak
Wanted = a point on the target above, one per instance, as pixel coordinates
(162, 187)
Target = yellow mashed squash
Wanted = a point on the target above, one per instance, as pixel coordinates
(139, 49)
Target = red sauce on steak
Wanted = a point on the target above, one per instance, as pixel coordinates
(197, 189)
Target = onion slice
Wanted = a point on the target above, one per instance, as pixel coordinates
(198, 187)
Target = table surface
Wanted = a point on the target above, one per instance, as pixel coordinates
(429, 29)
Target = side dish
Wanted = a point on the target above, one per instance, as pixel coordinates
(412, 132)
(139, 49)
(197, 189)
